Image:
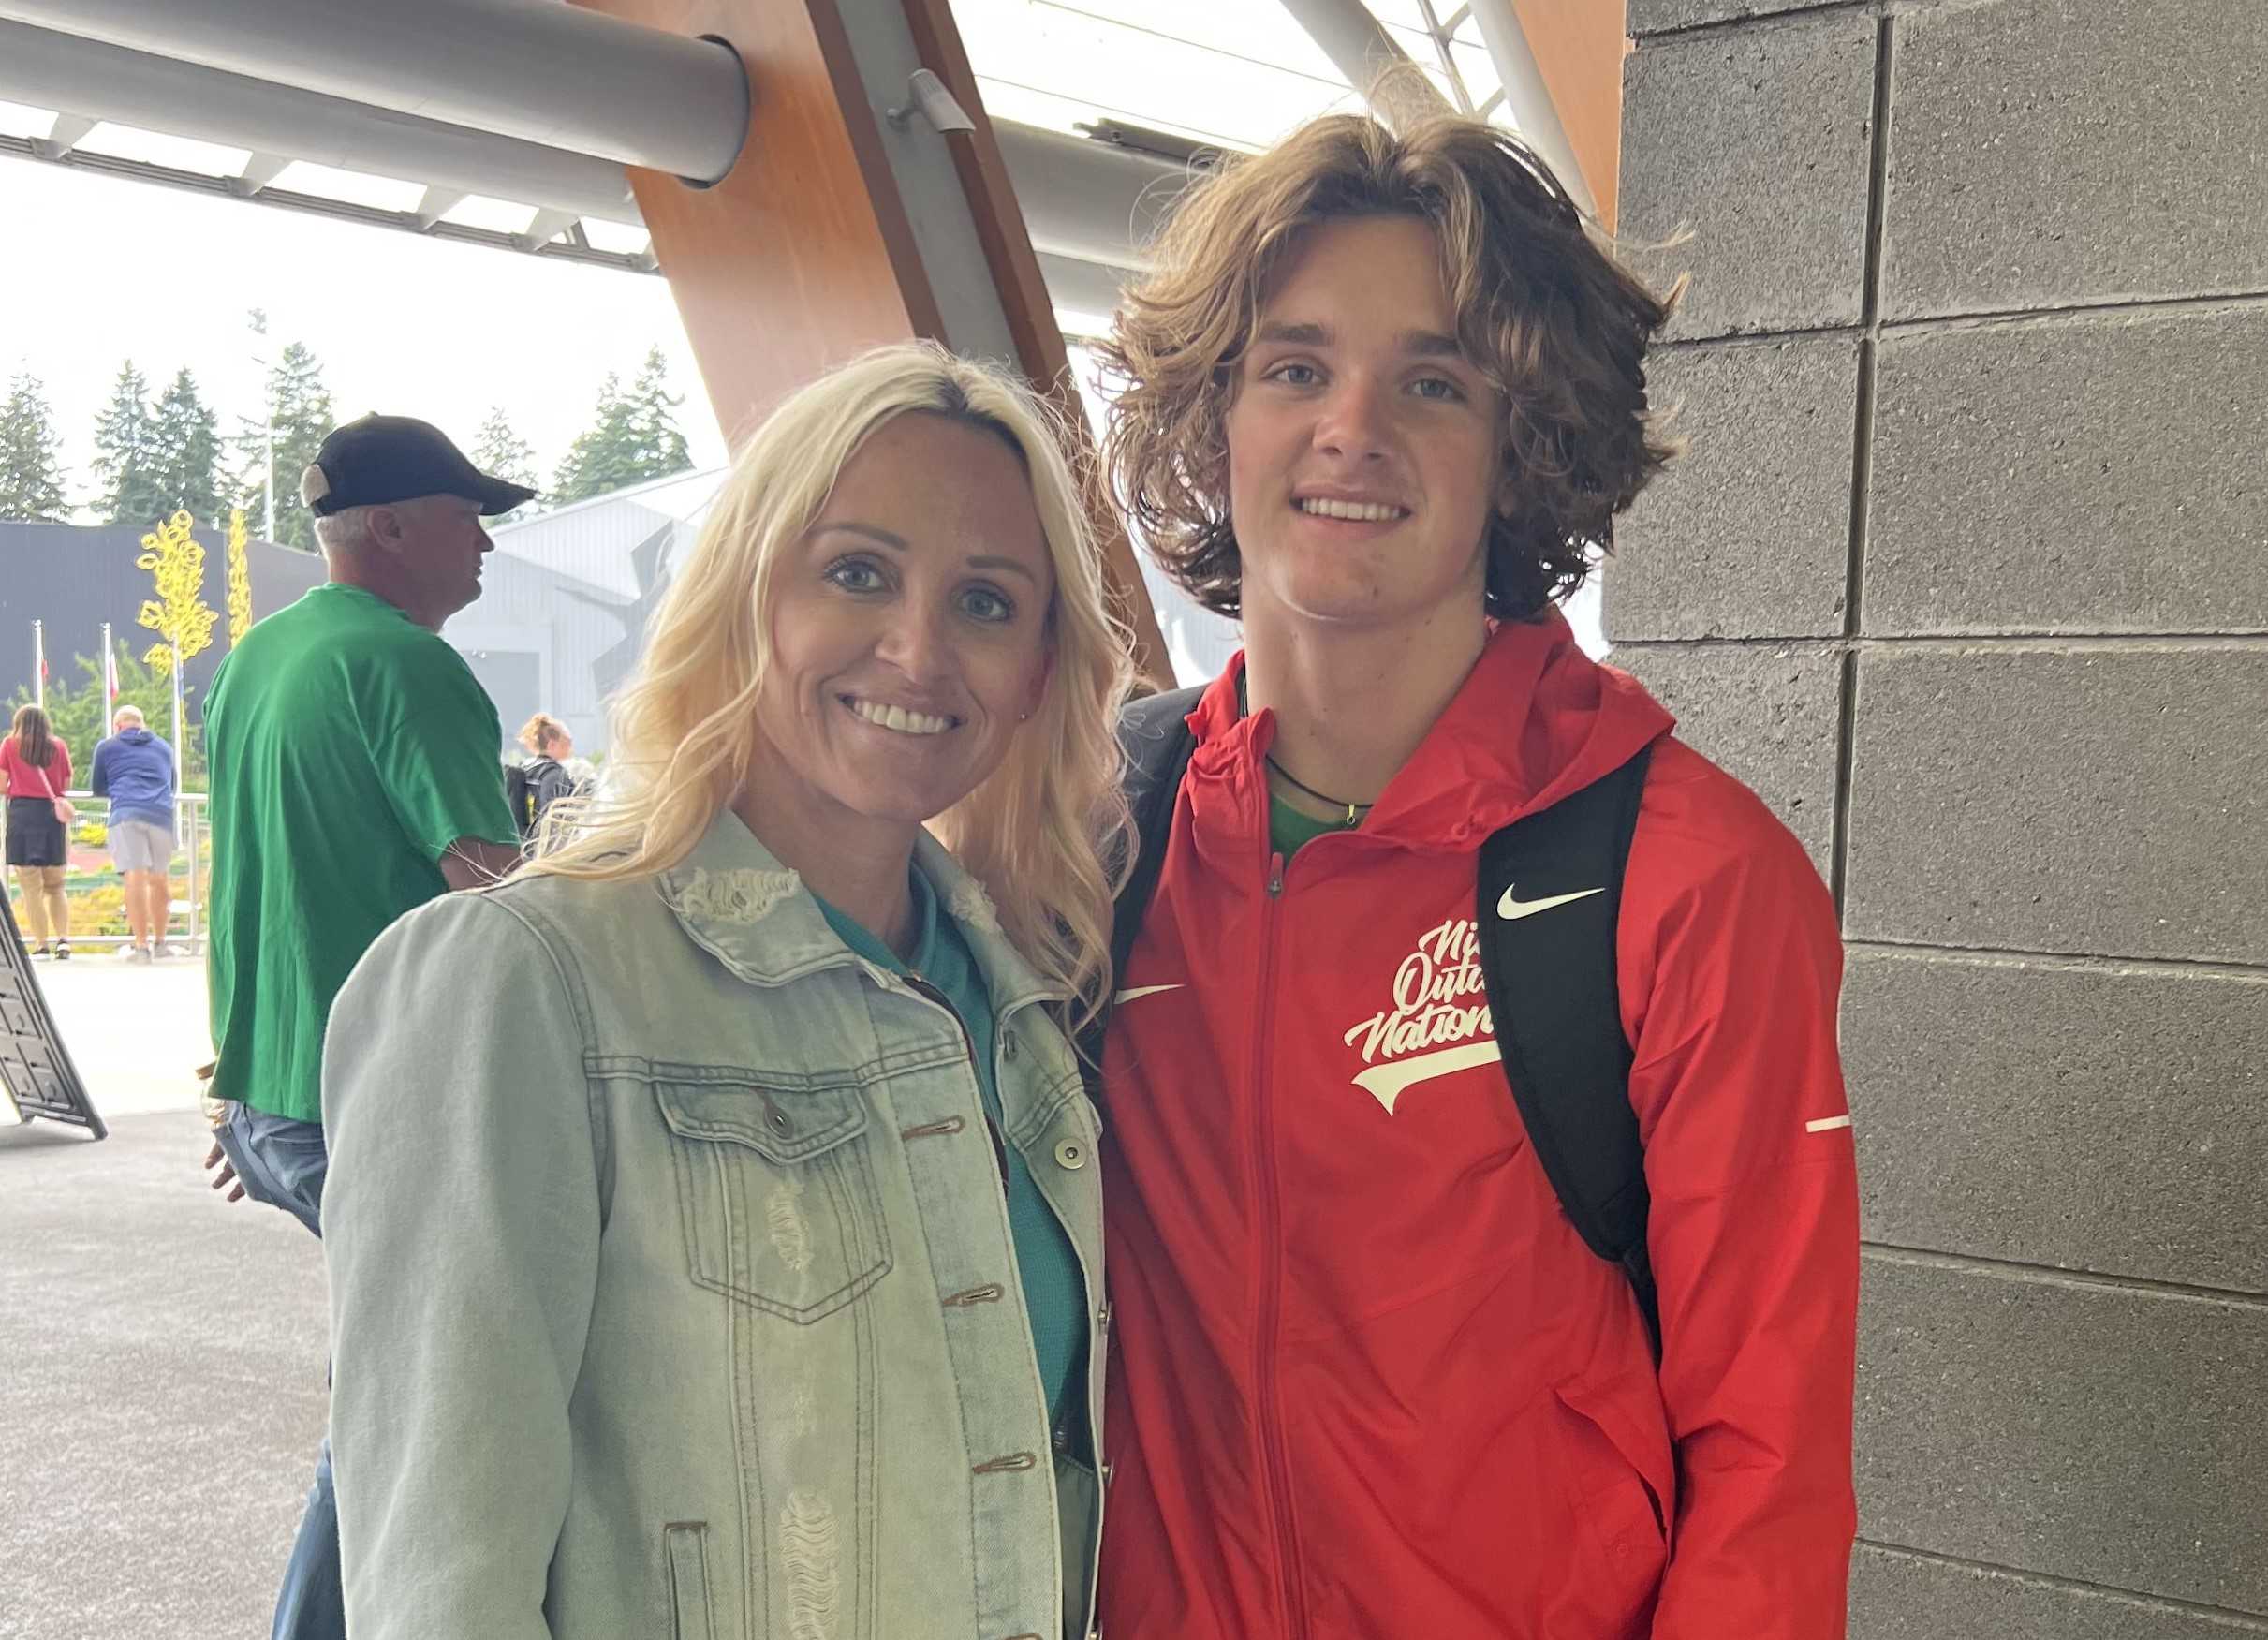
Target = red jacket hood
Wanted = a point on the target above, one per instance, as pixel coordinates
(1534, 720)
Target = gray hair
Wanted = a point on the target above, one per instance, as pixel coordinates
(127, 716)
(343, 531)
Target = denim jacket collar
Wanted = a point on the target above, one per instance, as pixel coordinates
(736, 901)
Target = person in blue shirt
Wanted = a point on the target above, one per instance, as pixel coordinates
(135, 770)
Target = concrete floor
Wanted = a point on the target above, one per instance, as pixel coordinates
(161, 1351)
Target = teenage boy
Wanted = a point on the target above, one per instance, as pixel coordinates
(1382, 396)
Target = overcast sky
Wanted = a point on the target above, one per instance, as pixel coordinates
(98, 270)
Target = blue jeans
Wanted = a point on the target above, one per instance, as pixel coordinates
(283, 1162)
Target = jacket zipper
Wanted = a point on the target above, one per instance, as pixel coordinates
(1270, 1306)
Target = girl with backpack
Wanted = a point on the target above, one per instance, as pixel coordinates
(547, 776)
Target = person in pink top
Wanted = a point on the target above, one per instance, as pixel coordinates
(36, 765)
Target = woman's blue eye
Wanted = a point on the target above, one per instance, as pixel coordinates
(855, 575)
(1438, 388)
(1295, 375)
(985, 605)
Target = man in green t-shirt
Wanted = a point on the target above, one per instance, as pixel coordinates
(355, 776)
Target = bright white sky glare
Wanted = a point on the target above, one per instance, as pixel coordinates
(100, 270)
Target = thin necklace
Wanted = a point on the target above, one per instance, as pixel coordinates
(1354, 810)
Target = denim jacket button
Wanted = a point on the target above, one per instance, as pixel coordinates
(1008, 1047)
(1071, 1154)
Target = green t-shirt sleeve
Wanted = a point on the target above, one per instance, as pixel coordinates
(438, 760)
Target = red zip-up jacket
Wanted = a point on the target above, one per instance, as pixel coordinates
(1369, 1382)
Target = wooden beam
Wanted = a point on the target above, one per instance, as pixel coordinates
(1579, 46)
(1031, 317)
(805, 254)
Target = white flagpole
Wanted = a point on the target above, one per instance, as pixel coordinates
(39, 663)
(110, 680)
(177, 752)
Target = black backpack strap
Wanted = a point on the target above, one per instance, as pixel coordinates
(1158, 741)
(518, 793)
(1551, 892)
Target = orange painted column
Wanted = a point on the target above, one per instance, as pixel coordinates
(804, 254)
(1579, 46)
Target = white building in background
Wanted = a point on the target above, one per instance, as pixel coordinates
(564, 599)
(565, 595)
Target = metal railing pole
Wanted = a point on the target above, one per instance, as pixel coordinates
(192, 805)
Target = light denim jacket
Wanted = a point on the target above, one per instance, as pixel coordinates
(671, 1281)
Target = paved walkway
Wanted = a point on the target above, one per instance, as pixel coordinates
(161, 1351)
(136, 1031)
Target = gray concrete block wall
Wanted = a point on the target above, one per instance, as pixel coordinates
(2107, 799)
(1776, 194)
(2117, 1131)
(2083, 473)
(1924, 1597)
(1967, 571)
(1768, 714)
(2082, 1430)
(1762, 526)
(2053, 152)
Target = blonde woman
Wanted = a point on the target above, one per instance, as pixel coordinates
(713, 1220)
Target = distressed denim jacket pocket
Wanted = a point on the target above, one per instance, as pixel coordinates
(777, 1189)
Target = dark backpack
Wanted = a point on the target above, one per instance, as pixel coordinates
(1552, 993)
(530, 788)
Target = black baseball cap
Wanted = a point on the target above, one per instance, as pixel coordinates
(380, 459)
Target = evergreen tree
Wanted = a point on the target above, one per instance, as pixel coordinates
(634, 438)
(31, 466)
(185, 445)
(661, 444)
(503, 453)
(125, 454)
(300, 414)
(603, 458)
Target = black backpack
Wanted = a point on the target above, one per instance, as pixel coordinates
(1551, 988)
(525, 792)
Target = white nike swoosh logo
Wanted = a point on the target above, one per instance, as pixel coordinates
(1140, 991)
(1511, 910)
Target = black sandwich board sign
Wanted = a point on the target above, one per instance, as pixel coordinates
(33, 1063)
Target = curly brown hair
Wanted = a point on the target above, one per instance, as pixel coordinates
(1545, 312)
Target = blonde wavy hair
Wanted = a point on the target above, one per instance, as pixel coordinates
(1555, 322)
(1042, 833)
